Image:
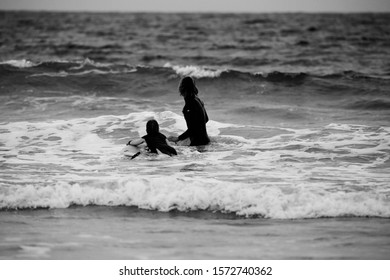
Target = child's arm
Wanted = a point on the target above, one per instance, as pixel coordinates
(136, 142)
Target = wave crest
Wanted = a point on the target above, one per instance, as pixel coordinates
(185, 195)
(197, 71)
(21, 63)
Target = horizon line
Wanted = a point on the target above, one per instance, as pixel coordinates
(195, 12)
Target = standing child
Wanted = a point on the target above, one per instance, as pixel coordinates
(155, 140)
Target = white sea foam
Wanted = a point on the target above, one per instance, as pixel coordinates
(190, 194)
(194, 71)
(338, 170)
(21, 63)
(83, 73)
(90, 62)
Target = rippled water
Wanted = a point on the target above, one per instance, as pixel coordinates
(299, 123)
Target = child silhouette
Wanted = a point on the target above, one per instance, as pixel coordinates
(155, 140)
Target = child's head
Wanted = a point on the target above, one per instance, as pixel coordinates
(152, 127)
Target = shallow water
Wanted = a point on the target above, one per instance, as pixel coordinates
(339, 170)
(130, 233)
(299, 162)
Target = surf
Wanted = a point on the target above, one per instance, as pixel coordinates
(276, 173)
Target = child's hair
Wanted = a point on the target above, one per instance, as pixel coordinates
(187, 85)
(152, 127)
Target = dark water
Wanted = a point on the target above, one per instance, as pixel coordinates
(299, 108)
(302, 61)
(311, 43)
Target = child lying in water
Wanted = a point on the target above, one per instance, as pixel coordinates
(155, 140)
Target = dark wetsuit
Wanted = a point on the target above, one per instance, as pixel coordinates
(158, 141)
(196, 118)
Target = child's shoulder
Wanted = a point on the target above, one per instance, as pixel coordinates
(154, 136)
(160, 135)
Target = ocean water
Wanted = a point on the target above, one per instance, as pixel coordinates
(299, 160)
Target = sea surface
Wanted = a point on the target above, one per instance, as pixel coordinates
(299, 161)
